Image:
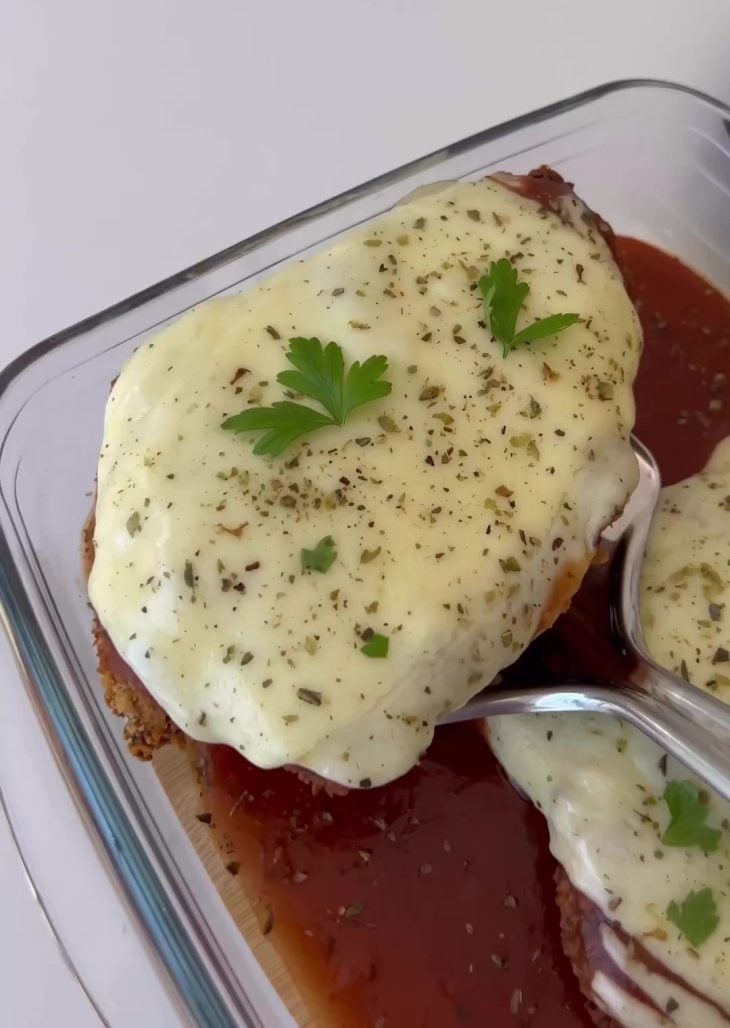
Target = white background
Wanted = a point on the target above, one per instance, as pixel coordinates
(139, 136)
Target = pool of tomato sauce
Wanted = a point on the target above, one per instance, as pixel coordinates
(431, 901)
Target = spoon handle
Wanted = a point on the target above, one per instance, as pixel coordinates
(709, 714)
(704, 753)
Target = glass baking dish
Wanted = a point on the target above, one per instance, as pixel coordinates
(653, 158)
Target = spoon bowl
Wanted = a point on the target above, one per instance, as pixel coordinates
(685, 721)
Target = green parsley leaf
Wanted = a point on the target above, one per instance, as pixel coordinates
(696, 916)
(282, 423)
(376, 646)
(544, 327)
(688, 813)
(322, 557)
(319, 374)
(362, 385)
(504, 297)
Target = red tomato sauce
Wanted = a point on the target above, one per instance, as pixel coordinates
(430, 902)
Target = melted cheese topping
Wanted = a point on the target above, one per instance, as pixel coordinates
(600, 782)
(685, 599)
(457, 505)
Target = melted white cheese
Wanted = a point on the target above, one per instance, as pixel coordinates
(454, 516)
(600, 782)
(685, 597)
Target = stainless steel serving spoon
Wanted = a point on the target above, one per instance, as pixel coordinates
(685, 721)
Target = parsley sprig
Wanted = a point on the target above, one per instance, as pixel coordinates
(504, 298)
(696, 916)
(688, 812)
(321, 558)
(319, 374)
(376, 645)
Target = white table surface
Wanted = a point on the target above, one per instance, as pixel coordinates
(141, 135)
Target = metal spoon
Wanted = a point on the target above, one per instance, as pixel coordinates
(685, 721)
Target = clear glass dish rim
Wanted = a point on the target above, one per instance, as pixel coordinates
(83, 770)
